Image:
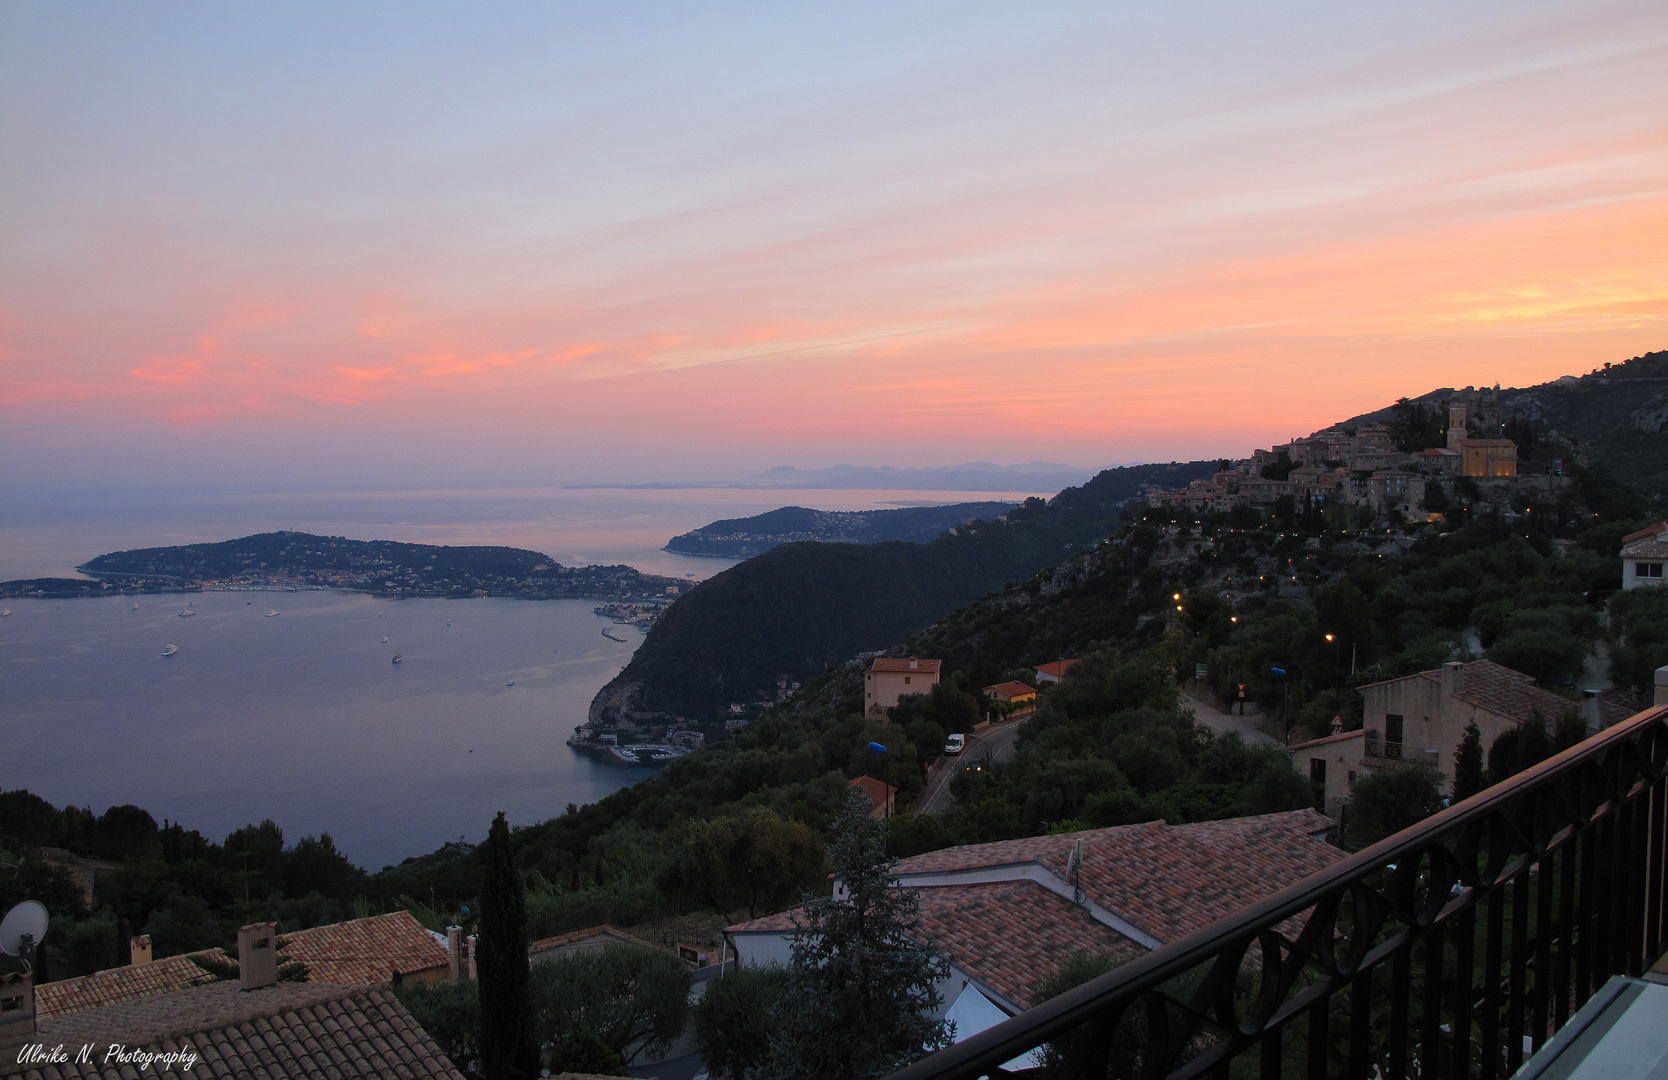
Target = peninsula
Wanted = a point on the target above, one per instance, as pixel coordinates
(298, 560)
(743, 538)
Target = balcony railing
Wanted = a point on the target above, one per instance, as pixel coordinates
(1451, 949)
(1385, 750)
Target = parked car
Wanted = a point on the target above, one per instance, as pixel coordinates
(955, 744)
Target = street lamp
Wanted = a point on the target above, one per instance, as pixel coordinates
(1288, 683)
(886, 796)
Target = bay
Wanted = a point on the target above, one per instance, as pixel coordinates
(301, 717)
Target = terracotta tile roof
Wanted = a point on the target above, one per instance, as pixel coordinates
(877, 792)
(591, 936)
(121, 984)
(781, 922)
(1655, 528)
(353, 953)
(1171, 880)
(362, 951)
(1646, 549)
(1168, 880)
(1010, 690)
(289, 1030)
(1508, 693)
(894, 663)
(1057, 668)
(1012, 935)
(1342, 736)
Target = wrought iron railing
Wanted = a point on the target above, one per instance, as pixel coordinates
(1452, 949)
(1385, 750)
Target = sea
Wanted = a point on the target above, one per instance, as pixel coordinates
(301, 717)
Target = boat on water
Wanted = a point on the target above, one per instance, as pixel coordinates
(623, 755)
(385, 639)
(510, 683)
(397, 658)
(273, 612)
(187, 613)
(133, 607)
(170, 650)
(613, 637)
(661, 754)
(3, 614)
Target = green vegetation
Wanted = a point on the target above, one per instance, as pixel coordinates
(1386, 801)
(798, 608)
(861, 988)
(742, 538)
(509, 1049)
(734, 1019)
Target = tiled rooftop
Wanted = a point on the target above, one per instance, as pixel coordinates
(592, 937)
(362, 951)
(1655, 528)
(1009, 690)
(121, 984)
(1505, 692)
(1056, 668)
(289, 1030)
(1168, 880)
(353, 953)
(1012, 935)
(1646, 549)
(874, 790)
(896, 663)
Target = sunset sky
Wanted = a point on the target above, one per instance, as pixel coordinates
(289, 245)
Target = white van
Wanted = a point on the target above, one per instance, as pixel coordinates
(955, 744)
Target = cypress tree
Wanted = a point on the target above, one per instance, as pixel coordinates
(861, 994)
(1468, 764)
(508, 1049)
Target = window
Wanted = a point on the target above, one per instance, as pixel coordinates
(1393, 729)
(1317, 770)
(1647, 569)
(906, 680)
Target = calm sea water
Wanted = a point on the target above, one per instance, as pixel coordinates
(301, 717)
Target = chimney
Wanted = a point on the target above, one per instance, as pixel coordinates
(257, 955)
(17, 1014)
(1661, 685)
(1453, 678)
(914, 663)
(1337, 725)
(1592, 709)
(470, 942)
(139, 950)
(454, 947)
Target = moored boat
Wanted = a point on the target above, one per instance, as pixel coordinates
(273, 612)
(397, 658)
(170, 650)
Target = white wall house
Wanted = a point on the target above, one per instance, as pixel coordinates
(1644, 554)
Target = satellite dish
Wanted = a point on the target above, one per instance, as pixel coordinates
(27, 919)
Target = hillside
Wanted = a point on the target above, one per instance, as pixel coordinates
(1615, 417)
(795, 609)
(743, 538)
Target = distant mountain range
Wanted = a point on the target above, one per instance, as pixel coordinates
(1035, 477)
(743, 538)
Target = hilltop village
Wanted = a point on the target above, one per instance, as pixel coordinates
(1370, 467)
